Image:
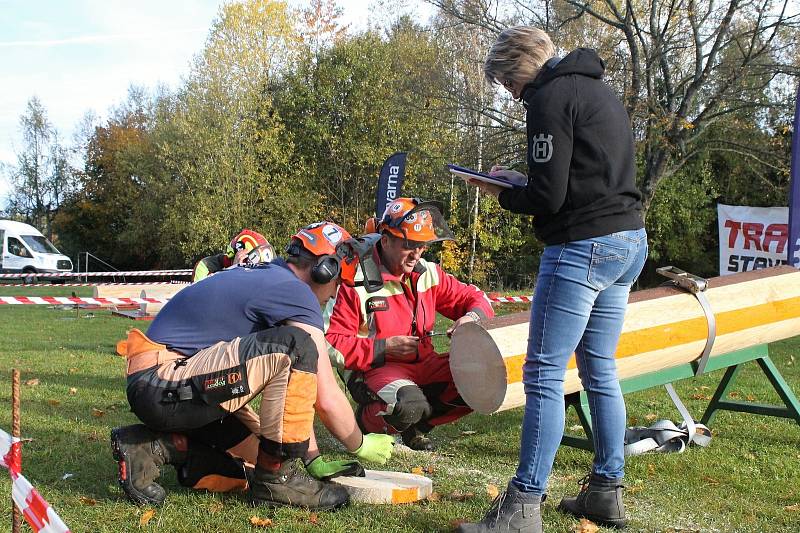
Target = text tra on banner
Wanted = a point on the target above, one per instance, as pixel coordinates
(751, 238)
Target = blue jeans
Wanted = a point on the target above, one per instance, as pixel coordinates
(578, 306)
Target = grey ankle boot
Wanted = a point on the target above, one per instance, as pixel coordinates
(600, 500)
(513, 511)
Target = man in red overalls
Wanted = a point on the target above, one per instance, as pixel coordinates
(402, 385)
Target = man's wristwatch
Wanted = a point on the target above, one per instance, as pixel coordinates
(474, 316)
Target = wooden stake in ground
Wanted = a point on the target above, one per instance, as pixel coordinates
(15, 433)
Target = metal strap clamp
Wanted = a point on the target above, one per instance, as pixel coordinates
(697, 286)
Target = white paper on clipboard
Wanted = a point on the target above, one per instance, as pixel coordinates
(467, 173)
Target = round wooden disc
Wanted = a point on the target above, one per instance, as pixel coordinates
(477, 368)
(380, 486)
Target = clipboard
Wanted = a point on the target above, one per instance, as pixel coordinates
(467, 173)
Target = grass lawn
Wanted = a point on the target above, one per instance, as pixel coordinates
(748, 480)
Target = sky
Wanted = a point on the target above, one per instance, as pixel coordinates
(83, 55)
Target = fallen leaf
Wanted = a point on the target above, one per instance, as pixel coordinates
(459, 496)
(434, 497)
(146, 517)
(468, 432)
(215, 507)
(492, 491)
(429, 469)
(417, 470)
(586, 526)
(260, 522)
(650, 417)
(32, 382)
(73, 370)
(793, 508)
(54, 403)
(87, 501)
(313, 518)
(651, 469)
(73, 390)
(751, 398)
(710, 480)
(97, 413)
(734, 394)
(700, 397)
(705, 387)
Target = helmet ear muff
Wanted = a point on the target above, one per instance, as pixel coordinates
(326, 269)
(293, 249)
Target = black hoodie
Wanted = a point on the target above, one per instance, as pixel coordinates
(581, 168)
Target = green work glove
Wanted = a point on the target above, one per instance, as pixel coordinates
(375, 448)
(325, 470)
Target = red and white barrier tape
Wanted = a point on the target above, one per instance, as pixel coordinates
(9, 452)
(68, 300)
(71, 300)
(510, 299)
(95, 284)
(37, 512)
(133, 273)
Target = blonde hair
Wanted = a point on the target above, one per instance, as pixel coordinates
(517, 55)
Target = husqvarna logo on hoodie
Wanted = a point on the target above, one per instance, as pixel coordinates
(542, 148)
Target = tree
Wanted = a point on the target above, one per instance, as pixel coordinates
(224, 145)
(42, 176)
(351, 105)
(680, 66)
(116, 213)
(489, 129)
(321, 24)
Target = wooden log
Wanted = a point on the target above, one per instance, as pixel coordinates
(379, 486)
(155, 290)
(664, 327)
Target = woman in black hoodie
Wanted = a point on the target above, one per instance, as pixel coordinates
(581, 191)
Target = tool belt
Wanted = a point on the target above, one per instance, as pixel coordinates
(141, 353)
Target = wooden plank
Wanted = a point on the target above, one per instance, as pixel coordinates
(134, 314)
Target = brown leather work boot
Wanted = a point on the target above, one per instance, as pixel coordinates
(140, 453)
(289, 487)
(600, 500)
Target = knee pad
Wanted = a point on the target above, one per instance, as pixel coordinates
(289, 340)
(222, 434)
(411, 407)
(211, 469)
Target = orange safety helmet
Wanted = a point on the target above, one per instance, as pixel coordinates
(337, 253)
(246, 240)
(418, 222)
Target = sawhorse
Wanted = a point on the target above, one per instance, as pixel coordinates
(719, 402)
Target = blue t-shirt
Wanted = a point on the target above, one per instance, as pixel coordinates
(234, 303)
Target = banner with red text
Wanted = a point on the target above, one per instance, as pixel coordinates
(751, 238)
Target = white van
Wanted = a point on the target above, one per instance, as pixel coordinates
(24, 249)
